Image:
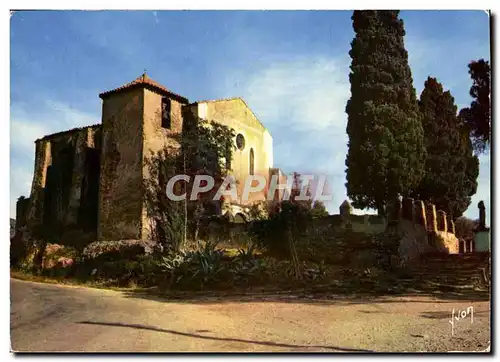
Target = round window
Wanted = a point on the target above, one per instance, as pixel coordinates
(240, 141)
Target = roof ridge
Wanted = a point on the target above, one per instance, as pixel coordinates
(218, 100)
(144, 80)
(241, 99)
(74, 129)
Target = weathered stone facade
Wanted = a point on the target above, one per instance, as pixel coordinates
(255, 155)
(93, 178)
(61, 178)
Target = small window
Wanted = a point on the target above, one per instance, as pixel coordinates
(240, 142)
(165, 113)
(252, 161)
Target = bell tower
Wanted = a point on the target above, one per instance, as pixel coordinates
(132, 127)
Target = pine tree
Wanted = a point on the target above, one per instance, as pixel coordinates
(478, 116)
(386, 151)
(451, 169)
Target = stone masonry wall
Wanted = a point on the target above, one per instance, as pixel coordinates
(156, 138)
(47, 148)
(22, 207)
(236, 114)
(120, 194)
(83, 139)
(425, 230)
(42, 161)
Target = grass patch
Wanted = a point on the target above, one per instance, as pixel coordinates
(20, 275)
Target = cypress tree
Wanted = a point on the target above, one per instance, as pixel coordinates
(386, 151)
(477, 117)
(451, 169)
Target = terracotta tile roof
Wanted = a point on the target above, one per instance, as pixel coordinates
(147, 82)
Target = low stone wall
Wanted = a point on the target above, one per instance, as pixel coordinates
(366, 224)
(425, 214)
(416, 240)
(226, 234)
(354, 241)
(413, 242)
(339, 238)
(429, 230)
(444, 242)
(347, 248)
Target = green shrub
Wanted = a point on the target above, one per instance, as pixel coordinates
(144, 271)
(115, 250)
(209, 267)
(248, 268)
(58, 255)
(195, 268)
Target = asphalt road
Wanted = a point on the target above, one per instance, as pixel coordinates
(50, 318)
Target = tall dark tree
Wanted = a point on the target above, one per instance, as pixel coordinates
(478, 115)
(386, 151)
(451, 169)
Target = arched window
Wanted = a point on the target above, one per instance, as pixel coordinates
(252, 161)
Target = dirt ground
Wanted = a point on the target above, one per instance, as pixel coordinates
(60, 318)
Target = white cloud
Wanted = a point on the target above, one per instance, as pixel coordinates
(445, 60)
(23, 135)
(302, 101)
(306, 94)
(155, 14)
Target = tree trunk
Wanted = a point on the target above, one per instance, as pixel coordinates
(38, 260)
(293, 250)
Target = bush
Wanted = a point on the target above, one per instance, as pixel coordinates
(24, 250)
(465, 227)
(18, 249)
(270, 236)
(58, 255)
(208, 267)
(195, 268)
(247, 268)
(144, 271)
(120, 249)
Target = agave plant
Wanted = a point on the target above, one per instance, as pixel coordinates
(171, 263)
(246, 256)
(246, 265)
(210, 252)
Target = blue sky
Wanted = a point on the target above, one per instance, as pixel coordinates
(291, 67)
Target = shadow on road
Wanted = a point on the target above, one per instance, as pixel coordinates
(309, 297)
(263, 343)
(447, 315)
